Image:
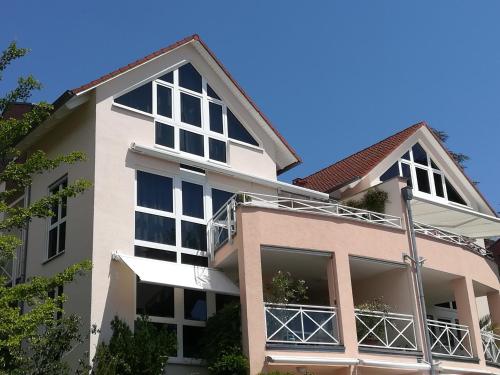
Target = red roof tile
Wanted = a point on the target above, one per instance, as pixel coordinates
(356, 165)
(197, 38)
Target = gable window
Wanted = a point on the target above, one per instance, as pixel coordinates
(189, 116)
(423, 175)
(57, 223)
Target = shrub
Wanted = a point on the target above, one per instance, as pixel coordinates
(378, 305)
(285, 289)
(373, 200)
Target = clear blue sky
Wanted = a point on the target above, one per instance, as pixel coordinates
(333, 76)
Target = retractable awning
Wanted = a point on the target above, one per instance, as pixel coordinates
(178, 275)
(458, 220)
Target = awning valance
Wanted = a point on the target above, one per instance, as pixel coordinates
(178, 275)
(459, 220)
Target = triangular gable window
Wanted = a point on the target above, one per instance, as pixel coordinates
(423, 175)
(140, 98)
(187, 111)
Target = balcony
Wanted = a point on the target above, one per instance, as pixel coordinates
(449, 339)
(376, 329)
(491, 347)
(301, 325)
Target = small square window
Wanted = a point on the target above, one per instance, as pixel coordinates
(438, 185)
(164, 101)
(217, 150)
(190, 110)
(195, 305)
(194, 236)
(164, 135)
(191, 143)
(154, 300)
(423, 180)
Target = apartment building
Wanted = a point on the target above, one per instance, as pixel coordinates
(187, 213)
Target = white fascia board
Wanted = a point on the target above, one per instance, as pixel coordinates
(287, 157)
(228, 171)
(302, 360)
(394, 365)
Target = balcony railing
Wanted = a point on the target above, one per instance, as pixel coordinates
(491, 347)
(301, 325)
(448, 339)
(457, 239)
(222, 226)
(376, 329)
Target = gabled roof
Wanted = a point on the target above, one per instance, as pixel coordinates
(196, 38)
(357, 165)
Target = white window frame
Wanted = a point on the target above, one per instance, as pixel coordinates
(58, 222)
(18, 261)
(176, 122)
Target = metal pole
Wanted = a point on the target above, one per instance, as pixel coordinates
(408, 196)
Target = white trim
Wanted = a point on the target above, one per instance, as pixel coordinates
(395, 365)
(226, 170)
(290, 359)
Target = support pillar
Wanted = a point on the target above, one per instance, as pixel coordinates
(467, 313)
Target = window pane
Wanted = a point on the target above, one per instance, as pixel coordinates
(154, 300)
(169, 77)
(433, 165)
(406, 173)
(64, 201)
(190, 110)
(52, 242)
(191, 341)
(154, 191)
(217, 150)
(55, 210)
(215, 117)
(194, 260)
(419, 155)
(164, 101)
(423, 180)
(192, 200)
(237, 131)
(393, 171)
(147, 252)
(189, 78)
(140, 98)
(164, 135)
(172, 328)
(211, 92)
(154, 228)
(222, 300)
(194, 236)
(195, 305)
(62, 237)
(406, 156)
(438, 184)
(191, 142)
(192, 169)
(453, 194)
(219, 197)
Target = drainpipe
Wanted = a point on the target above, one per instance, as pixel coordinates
(407, 193)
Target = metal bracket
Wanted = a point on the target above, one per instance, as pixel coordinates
(408, 257)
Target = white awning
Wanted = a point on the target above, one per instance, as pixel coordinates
(178, 275)
(458, 220)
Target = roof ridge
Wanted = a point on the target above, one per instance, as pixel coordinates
(416, 126)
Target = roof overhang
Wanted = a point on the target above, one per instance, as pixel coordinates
(178, 275)
(459, 220)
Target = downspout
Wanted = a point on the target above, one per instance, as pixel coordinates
(407, 193)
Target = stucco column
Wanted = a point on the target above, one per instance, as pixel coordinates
(251, 291)
(467, 312)
(340, 287)
(494, 307)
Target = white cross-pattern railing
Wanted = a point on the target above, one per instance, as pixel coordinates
(491, 347)
(449, 339)
(224, 219)
(457, 239)
(301, 324)
(376, 329)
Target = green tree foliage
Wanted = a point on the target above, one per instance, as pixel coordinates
(32, 341)
(285, 288)
(373, 200)
(457, 156)
(221, 342)
(142, 352)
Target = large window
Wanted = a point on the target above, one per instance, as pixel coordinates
(57, 222)
(423, 175)
(189, 115)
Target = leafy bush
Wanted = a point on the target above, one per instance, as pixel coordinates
(143, 352)
(373, 200)
(221, 342)
(285, 289)
(376, 305)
